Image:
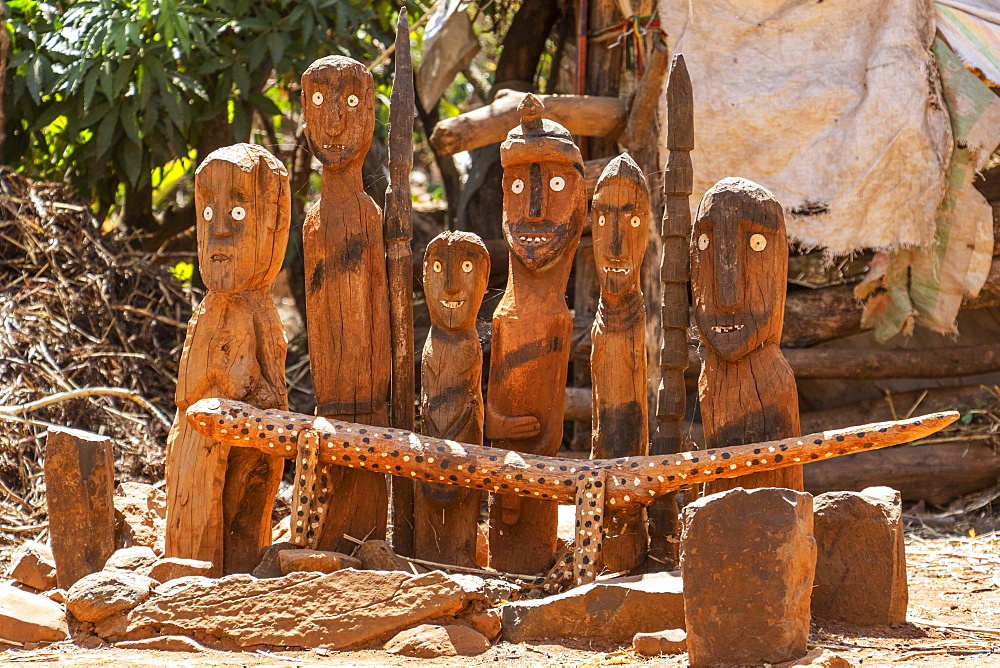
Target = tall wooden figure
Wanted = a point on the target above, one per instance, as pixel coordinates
(347, 294)
(219, 498)
(739, 266)
(620, 220)
(456, 270)
(544, 207)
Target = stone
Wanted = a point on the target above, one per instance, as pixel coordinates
(429, 641)
(137, 559)
(611, 610)
(267, 562)
(32, 565)
(282, 531)
(314, 561)
(171, 568)
(144, 509)
(378, 555)
(27, 617)
(671, 641)
(164, 644)
(487, 622)
(494, 590)
(57, 595)
(748, 558)
(860, 562)
(332, 610)
(102, 594)
(818, 658)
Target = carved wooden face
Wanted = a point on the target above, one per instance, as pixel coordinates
(739, 267)
(544, 205)
(243, 217)
(619, 224)
(338, 109)
(455, 277)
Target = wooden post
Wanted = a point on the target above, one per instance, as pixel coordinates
(739, 265)
(347, 294)
(219, 500)
(675, 232)
(79, 486)
(544, 210)
(618, 354)
(398, 236)
(456, 271)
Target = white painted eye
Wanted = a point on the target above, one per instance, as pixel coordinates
(239, 213)
(207, 213)
(703, 242)
(517, 186)
(557, 183)
(437, 266)
(601, 221)
(352, 100)
(467, 266)
(317, 98)
(758, 242)
(634, 222)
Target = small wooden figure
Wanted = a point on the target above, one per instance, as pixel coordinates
(620, 220)
(347, 295)
(456, 270)
(543, 214)
(219, 498)
(739, 265)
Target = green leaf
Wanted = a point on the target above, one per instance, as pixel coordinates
(131, 158)
(105, 133)
(123, 73)
(129, 124)
(276, 45)
(33, 78)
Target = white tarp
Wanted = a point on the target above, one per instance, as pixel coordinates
(835, 106)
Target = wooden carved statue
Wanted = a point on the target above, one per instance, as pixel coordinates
(347, 299)
(456, 270)
(544, 209)
(219, 498)
(619, 224)
(739, 266)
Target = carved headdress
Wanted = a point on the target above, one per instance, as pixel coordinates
(538, 138)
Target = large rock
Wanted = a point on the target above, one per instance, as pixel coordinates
(429, 641)
(32, 565)
(378, 555)
(334, 610)
(267, 560)
(137, 559)
(171, 568)
(494, 590)
(748, 559)
(314, 561)
(612, 610)
(860, 565)
(102, 594)
(144, 509)
(27, 617)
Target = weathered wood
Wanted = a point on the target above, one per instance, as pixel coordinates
(630, 480)
(219, 500)
(79, 487)
(456, 269)
(347, 294)
(618, 359)
(544, 212)
(398, 237)
(590, 116)
(739, 264)
(880, 364)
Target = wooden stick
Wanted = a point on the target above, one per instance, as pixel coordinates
(878, 364)
(398, 236)
(631, 480)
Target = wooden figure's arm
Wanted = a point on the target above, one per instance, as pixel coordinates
(513, 427)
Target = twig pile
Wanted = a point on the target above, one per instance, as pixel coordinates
(80, 310)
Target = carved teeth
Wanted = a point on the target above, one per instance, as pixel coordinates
(725, 329)
(617, 270)
(447, 304)
(527, 239)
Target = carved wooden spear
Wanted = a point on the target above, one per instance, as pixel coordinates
(398, 235)
(675, 232)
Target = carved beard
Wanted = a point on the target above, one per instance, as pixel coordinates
(538, 245)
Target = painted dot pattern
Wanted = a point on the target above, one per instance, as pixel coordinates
(310, 491)
(589, 527)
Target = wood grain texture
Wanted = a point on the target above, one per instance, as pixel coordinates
(456, 270)
(739, 264)
(219, 499)
(618, 357)
(544, 211)
(347, 294)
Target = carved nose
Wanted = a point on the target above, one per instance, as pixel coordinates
(451, 280)
(616, 242)
(224, 227)
(729, 283)
(535, 193)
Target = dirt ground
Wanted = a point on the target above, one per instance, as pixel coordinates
(954, 583)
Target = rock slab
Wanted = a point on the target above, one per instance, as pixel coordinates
(748, 558)
(335, 610)
(429, 641)
(136, 559)
(613, 610)
(314, 561)
(32, 565)
(144, 509)
(671, 641)
(171, 568)
(860, 565)
(27, 617)
(100, 595)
